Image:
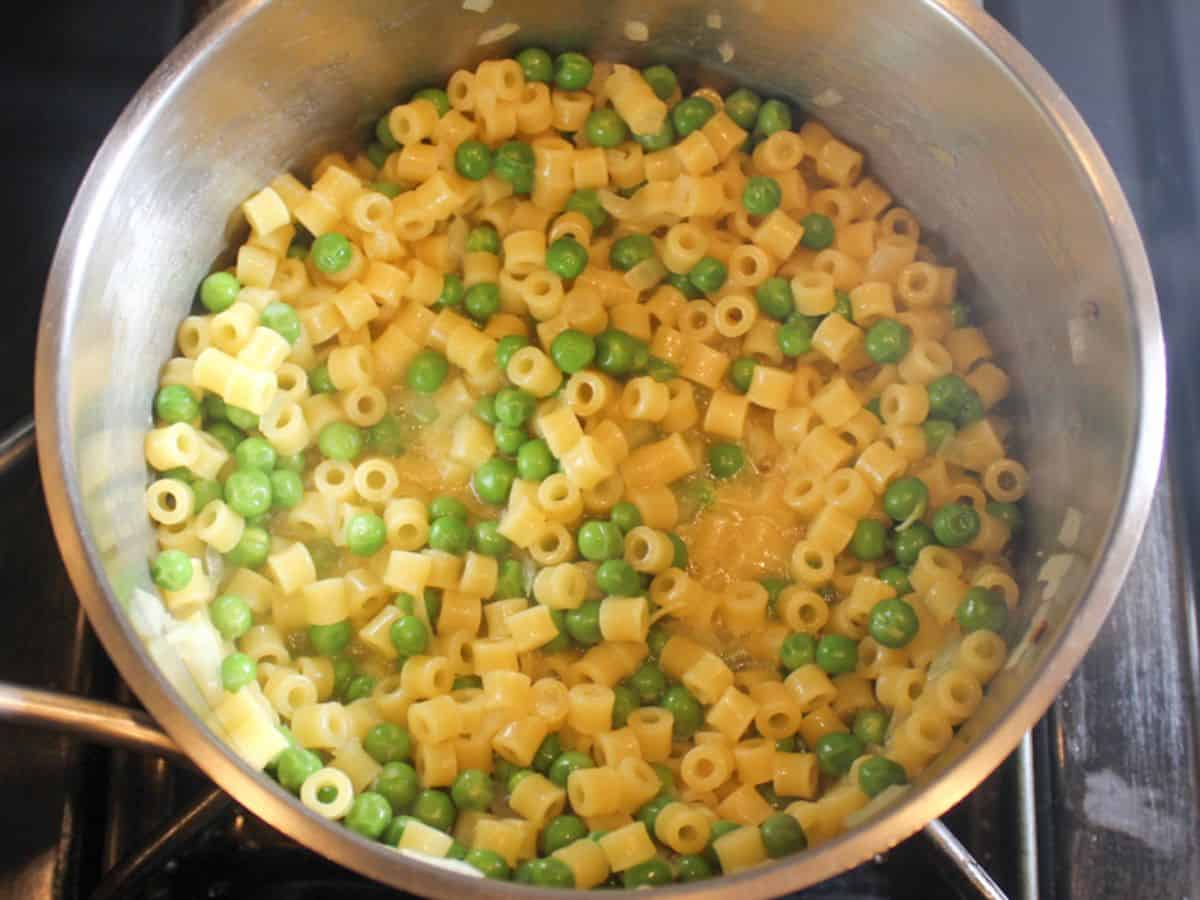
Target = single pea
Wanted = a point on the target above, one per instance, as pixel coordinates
(409, 635)
(395, 830)
(691, 114)
(725, 460)
(654, 141)
(972, 410)
(330, 640)
(473, 160)
(692, 867)
(297, 250)
(397, 782)
(237, 671)
(489, 541)
(583, 623)
(762, 195)
(837, 751)
(719, 829)
(651, 873)
(661, 370)
(340, 440)
(786, 744)
(686, 709)
(798, 649)
(897, 577)
(955, 525)
(252, 548)
(248, 492)
(255, 453)
(472, 789)
(319, 381)
(514, 406)
(775, 298)
(456, 851)
(869, 540)
(947, 395)
(647, 814)
(383, 134)
(566, 763)
(294, 766)
(775, 586)
(282, 319)
(438, 97)
(604, 128)
(1008, 513)
(837, 654)
(406, 603)
(507, 346)
(324, 555)
(331, 252)
(388, 742)
(741, 373)
(485, 409)
(567, 258)
(662, 80)
(365, 534)
(483, 239)
(905, 497)
(870, 726)
(548, 750)
(219, 291)
(450, 535)
(649, 683)
(680, 559)
(625, 516)
(536, 64)
(227, 436)
(450, 507)
(214, 409)
(489, 862)
(615, 352)
(181, 473)
(599, 541)
(435, 809)
(960, 315)
(877, 774)
(842, 306)
(176, 403)
(625, 701)
(617, 578)
(287, 489)
(293, 462)
(511, 582)
(452, 292)
(626, 252)
(552, 872)
(937, 433)
(241, 418)
(172, 570)
(888, 341)
(466, 682)
(742, 106)
(818, 231)
(535, 462)
(389, 189)
(493, 480)
(782, 835)
(369, 815)
(426, 372)
(572, 71)
(343, 674)
(893, 623)
(773, 116)
(680, 282)
(377, 154)
(708, 274)
(562, 831)
(982, 610)
(573, 350)
(909, 543)
(508, 438)
(231, 616)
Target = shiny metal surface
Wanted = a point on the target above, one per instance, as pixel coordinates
(943, 838)
(959, 121)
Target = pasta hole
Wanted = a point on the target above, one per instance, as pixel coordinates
(914, 690)
(704, 767)
(778, 721)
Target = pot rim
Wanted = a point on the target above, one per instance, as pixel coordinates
(275, 806)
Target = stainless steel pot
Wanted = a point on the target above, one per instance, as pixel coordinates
(957, 119)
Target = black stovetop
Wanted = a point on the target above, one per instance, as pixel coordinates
(1115, 808)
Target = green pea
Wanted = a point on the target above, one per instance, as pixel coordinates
(947, 396)
(893, 622)
(888, 341)
(397, 782)
(448, 507)
(535, 462)
(649, 683)
(395, 830)
(617, 578)
(452, 292)
(456, 851)
(287, 489)
(662, 80)
(837, 654)
(536, 64)
(219, 291)
(227, 436)
(237, 671)
(982, 610)
(955, 525)
(651, 873)
(489, 541)
(343, 674)
(369, 815)
(248, 492)
(905, 497)
(331, 252)
(297, 249)
(340, 440)
(708, 275)
(786, 745)
(255, 453)
(782, 835)
(548, 750)
(377, 154)
(473, 160)
(897, 577)
(572, 71)
(586, 202)
(562, 831)
(567, 258)
(583, 623)
(241, 418)
(870, 726)
(877, 774)
(691, 114)
(252, 548)
(485, 409)
(795, 338)
(692, 867)
(330, 640)
(509, 439)
(388, 742)
(762, 195)
(680, 559)
(775, 298)
(513, 162)
(837, 751)
(409, 635)
(725, 460)
(625, 701)
(436, 96)
(648, 813)
(937, 433)
(294, 766)
(599, 541)
(472, 789)
(661, 370)
(960, 315)
(493, 480)
(552, 872)
(680, 282)
(483, 239)
(573, 350)
(909, 543)
(773, 116)
(818, 231)
(231, 616)
(466, 682)
(869, 540)
(172, 570)
(626, 252)
(742, 106)
(365, 534)
(490, 863)
(383, 134)
(507, 346)
(281, 319)
(389, 189)
(566, 763)
(842, 306)
(435, 809)
(615, 352)
(514, 406)
(775, 586)
(511, 582)
(654, 141)
(319, 381)
(972, 410)
(798, 649)
(176, 403)
(604, 128)
(426, 372)
(686, 709)
(625, 516)
(450, 535)
(1008, 513)
(719, 829)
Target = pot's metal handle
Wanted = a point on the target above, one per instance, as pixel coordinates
(104, 723)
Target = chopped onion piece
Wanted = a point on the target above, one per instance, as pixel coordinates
(1068, 534)
(637, 31)
(827, 98)
(478, 6)
(499, 33)
(714, 21)
(725, 50)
